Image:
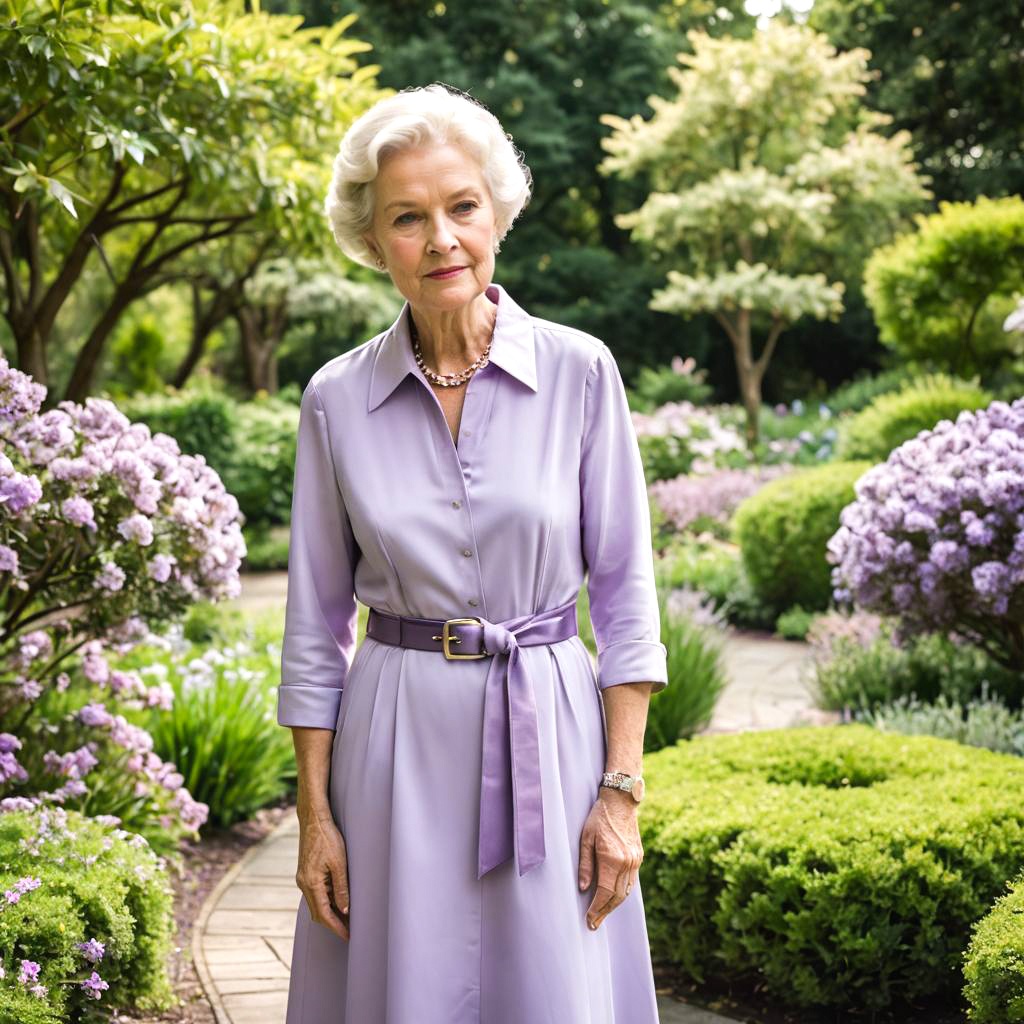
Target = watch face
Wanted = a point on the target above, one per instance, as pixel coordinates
(638, 789)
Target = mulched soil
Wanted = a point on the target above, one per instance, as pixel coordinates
(203, 865)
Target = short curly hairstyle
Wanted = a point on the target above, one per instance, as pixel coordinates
(438, 114)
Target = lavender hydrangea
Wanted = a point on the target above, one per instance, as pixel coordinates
(936, 534)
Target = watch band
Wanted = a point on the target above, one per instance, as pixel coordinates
(632, 784)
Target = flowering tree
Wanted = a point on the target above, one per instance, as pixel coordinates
(106, 531)
(935, 536)
(768, 180)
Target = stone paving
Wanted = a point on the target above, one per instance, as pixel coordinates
(243, 940)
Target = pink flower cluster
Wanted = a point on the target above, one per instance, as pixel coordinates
(936, 534)
(688, 499)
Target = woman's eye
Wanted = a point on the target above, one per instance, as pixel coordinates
(466, 202)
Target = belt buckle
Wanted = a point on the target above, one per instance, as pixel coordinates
(446, 639)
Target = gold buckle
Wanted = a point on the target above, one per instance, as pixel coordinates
(446, 640)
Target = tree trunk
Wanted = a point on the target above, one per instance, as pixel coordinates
(259, 350)
(204, 322)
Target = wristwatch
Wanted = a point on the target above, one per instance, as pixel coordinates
(632, 784)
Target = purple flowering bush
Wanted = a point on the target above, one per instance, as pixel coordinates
(107, 532)
(935, 536)
(694, 502)
(86, 919)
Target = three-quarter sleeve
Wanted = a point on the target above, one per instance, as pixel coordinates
(616, 536)
(321, 614)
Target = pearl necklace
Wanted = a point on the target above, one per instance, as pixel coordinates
(447, 380)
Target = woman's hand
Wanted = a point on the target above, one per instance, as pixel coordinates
(611, 840)
(323, 873)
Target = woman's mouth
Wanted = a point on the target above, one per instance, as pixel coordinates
(443, 275)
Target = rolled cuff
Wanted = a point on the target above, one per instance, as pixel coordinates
(312, 707)
(633, 661)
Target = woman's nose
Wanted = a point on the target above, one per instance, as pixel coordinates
(440, 235)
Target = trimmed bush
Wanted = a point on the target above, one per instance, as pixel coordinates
(784, 528)
(833, 866)
(994, 963)
(89, 908)
(939, 294)
(897, 417)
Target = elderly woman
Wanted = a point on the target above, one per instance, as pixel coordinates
(468, 783)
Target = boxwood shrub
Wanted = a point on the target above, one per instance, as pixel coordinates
(994, 963)
(894, 418)
(833, 866)
(783, 530)
(95, 882)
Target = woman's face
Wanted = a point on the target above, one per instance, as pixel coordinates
(433, 210)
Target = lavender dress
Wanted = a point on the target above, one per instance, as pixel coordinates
(544, 482)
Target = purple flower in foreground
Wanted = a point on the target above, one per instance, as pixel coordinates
(29, 971)
(94, 984)
(936, 534)
(92, 950)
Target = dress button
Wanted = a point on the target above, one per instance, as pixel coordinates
(467, 552)
(467, 432)
(456, 504)
(473, 601)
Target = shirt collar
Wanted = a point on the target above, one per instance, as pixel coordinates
(512, 348)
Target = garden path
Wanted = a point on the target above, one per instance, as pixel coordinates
(242, 941)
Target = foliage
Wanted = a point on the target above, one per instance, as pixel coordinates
(935, 536)
(106, 531)
(833, 866)
(855, 394)
(227, 170)
(982, 722)
(784, 528)
(940, 294)
(945, 73)
(251, 445)
(86, 924)
(715, 569)
(794, 623)
(221, 731)
(696, 676)
(679, 382)
(266, 548)
(898, 416)
(993, 967)
(767, 181)
(856, 666)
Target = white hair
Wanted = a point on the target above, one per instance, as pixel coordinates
(433, 114)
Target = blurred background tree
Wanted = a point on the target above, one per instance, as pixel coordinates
(770, 187)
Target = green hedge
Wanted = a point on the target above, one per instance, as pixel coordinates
(96, 882)
(783, 531)
(897, 417)
(994, 963)
(829, 866)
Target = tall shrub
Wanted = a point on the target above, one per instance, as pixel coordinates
(106, 531)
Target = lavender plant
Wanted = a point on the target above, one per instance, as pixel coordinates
(107, 532)
(935, 536)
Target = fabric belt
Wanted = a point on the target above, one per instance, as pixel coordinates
(510, 776)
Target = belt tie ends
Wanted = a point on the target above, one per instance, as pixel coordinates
(510, 774)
